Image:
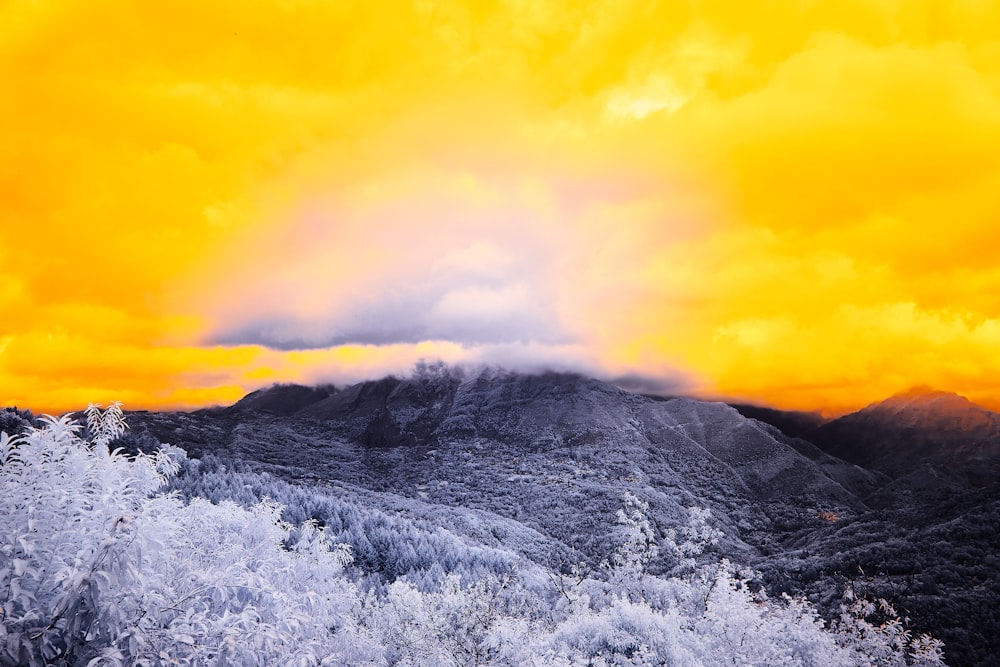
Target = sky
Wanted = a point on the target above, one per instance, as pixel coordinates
(792, 203)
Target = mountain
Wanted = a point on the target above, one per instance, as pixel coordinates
(214, 561)
(922, 435)
(281, 399)
(791, 422)
(552, 451)
(886, 500)
(566, 414)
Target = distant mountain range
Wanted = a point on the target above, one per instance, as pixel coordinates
(901, 497)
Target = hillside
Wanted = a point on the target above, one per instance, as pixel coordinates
(552, 451)
(928, 443)
(537, 466)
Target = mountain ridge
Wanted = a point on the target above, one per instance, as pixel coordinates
(539, 464)
(914, 429)
(556, 408)
(895, 436)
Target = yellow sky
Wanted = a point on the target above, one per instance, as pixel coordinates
(788, 202)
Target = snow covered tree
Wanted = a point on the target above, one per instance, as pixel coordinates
(105, 425)
(98, 568)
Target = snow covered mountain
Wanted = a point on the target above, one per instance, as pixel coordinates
(538, 464)
(554, 451)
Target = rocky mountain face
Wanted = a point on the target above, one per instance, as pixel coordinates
(539, 463)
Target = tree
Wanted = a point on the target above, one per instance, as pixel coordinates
(106, 425)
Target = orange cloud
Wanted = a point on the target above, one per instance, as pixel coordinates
(792, 204)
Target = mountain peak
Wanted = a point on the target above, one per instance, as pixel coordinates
(929, 405)
(282, 399)
(917, 426)
(931, 408)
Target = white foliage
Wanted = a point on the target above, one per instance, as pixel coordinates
(639, 547)
(875, 633)
(689, 542)
(107, 424)
(100, 567)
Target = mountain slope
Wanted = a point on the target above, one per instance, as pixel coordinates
(553, 412)
(922, 431)
(553, 451)
(281, 399)
(538, 465)
(790, 422)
